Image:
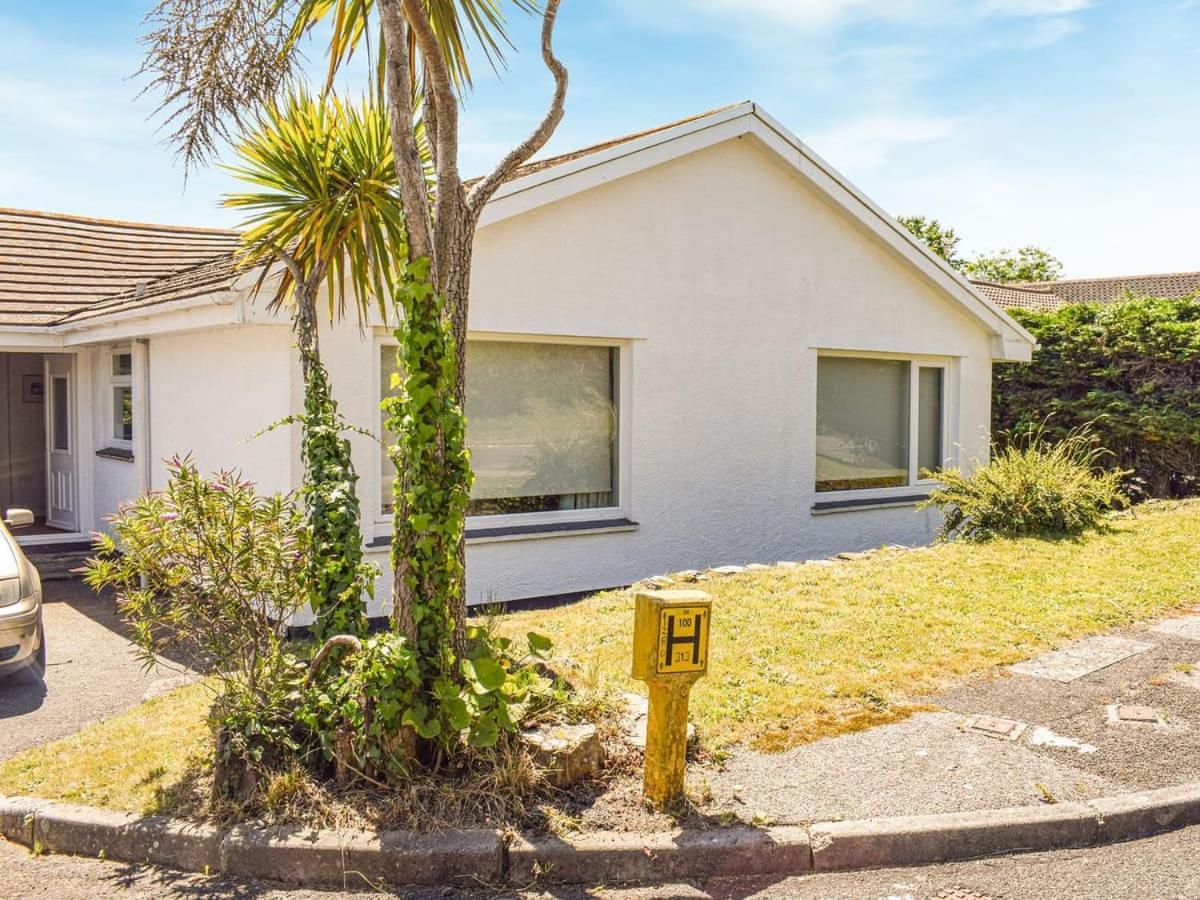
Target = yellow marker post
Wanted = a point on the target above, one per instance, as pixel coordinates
(670, 653)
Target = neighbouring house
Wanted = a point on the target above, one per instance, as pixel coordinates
(690, 346)
(1049, 295)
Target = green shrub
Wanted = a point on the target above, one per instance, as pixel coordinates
(211, 568)
(1130, 372)
(358, 706)
(1033, 487)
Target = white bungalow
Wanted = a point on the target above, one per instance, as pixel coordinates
(691, 346)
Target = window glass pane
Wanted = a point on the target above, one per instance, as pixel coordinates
(929, 419)
(122, 413)
(122, 364)
(541, 426)
(862, 423)
(387, 368)
(61, 420)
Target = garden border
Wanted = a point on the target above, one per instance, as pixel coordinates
(394, 858)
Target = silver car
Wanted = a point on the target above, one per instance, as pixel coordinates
(22, 637)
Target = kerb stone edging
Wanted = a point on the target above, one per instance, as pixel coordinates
(392, 858)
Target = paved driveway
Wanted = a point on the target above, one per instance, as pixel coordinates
(92, 672)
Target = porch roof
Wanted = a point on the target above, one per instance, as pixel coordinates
(55, 267)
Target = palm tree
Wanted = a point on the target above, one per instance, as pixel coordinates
(215, 61)
(325, 208)
(324, 212)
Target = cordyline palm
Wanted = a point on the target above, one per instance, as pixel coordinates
(215, 61)
(324, 213)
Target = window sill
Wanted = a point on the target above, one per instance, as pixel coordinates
(533, 532)
(857, 504)
(118, 453)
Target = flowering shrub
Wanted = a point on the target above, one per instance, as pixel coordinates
(212, 568)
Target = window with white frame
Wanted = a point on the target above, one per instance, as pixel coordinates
(541, 426)
(121, 393)
(880, 422)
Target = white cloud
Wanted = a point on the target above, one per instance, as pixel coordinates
(1050, 31)
(868, 142)
(1034, 7)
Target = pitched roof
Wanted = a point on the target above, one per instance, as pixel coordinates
(1018, 296)
(55, 266)
(1044, 295)
(1104, 290)
(204, 260)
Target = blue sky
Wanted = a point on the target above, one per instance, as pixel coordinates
(1072, 124)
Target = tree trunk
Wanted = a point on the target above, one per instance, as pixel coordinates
(305, 324)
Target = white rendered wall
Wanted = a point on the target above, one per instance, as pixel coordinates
(212, 390)
(728, 274)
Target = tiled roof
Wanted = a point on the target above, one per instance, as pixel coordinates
(1018, 296)
(1053, 294)
(1102, 290)
(55, 267)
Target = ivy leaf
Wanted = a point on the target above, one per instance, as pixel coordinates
(539, 645)
(484, 674)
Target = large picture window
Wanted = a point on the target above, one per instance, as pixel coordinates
(879, 422)
(541, 426)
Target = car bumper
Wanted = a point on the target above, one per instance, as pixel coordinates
(19, 633)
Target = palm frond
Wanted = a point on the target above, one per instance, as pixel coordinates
(322, 190)
(461, 27)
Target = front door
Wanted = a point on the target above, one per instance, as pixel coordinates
(61, 439)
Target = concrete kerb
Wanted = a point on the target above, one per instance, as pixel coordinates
(357, 859)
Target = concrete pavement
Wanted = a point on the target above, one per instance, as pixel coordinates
(91, 672)
(1159, 868)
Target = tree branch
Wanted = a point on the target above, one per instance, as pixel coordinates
(414, 196)
(441, 86)
(483, 191)
(429, 115)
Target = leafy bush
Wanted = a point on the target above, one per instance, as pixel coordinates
(209, 566)
(1129, 371)
(358, 708)
(214, 569)
(1037, 487)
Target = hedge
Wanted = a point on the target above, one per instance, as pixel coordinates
(1130, 370)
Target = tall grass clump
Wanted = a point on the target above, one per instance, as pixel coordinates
(1032, 486)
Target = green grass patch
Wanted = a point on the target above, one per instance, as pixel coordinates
(137, 761)
(800, 654)
(796, 654)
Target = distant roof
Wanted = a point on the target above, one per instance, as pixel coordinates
(1102, 290)
(54, 267)
(1053, 294)
(1018, 296)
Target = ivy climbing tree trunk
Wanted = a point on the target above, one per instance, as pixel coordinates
(336, 575)
(433, 471)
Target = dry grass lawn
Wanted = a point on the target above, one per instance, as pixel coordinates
(797, 654)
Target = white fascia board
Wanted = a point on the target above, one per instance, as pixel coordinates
(747, 119)
(29, 338)
(195, 313)
(833, 183)
(523, 194)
